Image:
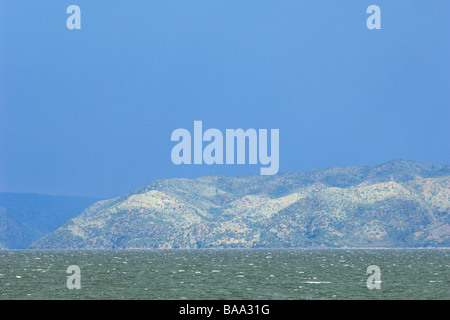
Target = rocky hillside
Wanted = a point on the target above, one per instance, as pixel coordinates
(394, 204)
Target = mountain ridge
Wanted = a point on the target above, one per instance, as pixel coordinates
(26, 217)
(332, 207)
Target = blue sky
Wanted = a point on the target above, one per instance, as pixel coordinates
(91, 111)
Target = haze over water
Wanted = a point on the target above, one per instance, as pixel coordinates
(226, 274)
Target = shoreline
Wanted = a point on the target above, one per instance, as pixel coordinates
(230, 249)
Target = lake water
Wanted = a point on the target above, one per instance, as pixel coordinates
(226, 274)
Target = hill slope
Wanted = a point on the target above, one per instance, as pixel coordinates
(394, 204)
(24, 218)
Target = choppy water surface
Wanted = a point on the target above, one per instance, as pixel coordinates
(225, 274)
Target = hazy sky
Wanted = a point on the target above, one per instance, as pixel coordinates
(91, 111)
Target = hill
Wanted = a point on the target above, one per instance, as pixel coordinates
(394, 204)
(24, 218)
